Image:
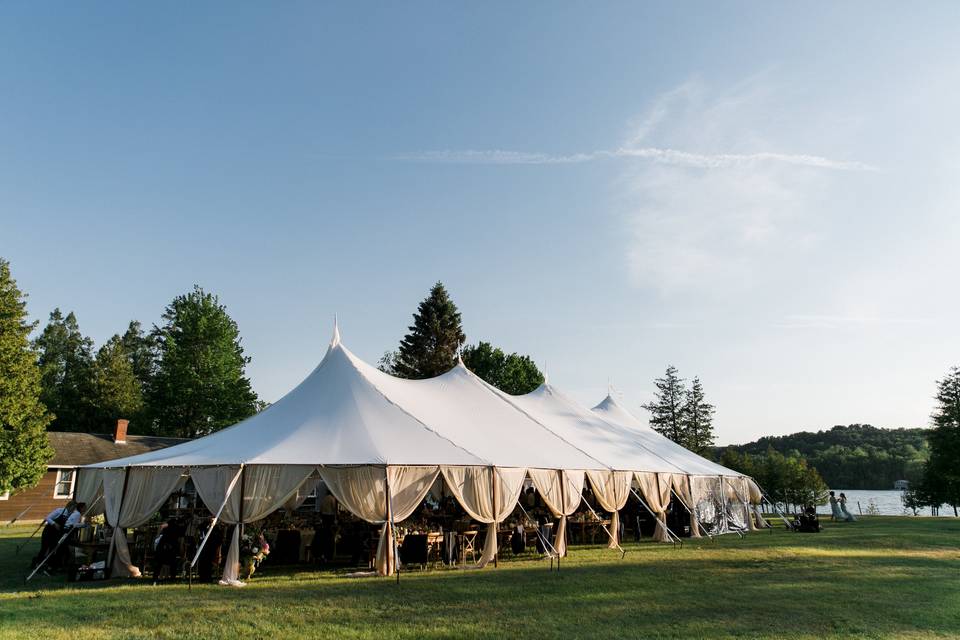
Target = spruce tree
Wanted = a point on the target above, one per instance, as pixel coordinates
(697, 420)
(430, 348)
(24, 447)
(66, 374)
(513, 373)
(941, 478)
(667, 411)
(118, 393)
(200, 385)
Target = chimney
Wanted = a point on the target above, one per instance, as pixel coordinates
(120, 432)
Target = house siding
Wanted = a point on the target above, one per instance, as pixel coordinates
(39, 499)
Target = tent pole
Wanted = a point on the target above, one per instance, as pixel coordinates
(393, 559)
(496, 532)
(116, 529)
(243, 480)
(563, 511)
(670, 534)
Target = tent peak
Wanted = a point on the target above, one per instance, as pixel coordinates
(335, 340)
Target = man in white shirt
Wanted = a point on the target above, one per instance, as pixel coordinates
(58, 522)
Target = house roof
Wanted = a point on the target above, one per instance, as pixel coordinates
(77, 449)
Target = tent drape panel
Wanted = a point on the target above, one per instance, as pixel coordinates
(231, 564)
(472, 488)
(681, 484)
(266, 487)
(756, 499)
(147, 489)
(549, 484)
(709, 503)
(651, 488)
(736, 496)
(90, 491)
(362, 491)
(612, 488)
(408, 487)
(212, 484)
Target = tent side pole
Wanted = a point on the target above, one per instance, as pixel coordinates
(496, 532)
(243, 479)
(216, 517)
(563, 512)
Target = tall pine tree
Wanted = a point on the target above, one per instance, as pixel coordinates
(431, 346)
(24, 447)
(668, 409)
(66, 370)
(941, 477)
(141, 351)
(118, 393)
(200, 385)
(697, 420)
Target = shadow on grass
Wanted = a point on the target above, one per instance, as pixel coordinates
(767, 585)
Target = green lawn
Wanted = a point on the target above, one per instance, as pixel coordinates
(882, 577)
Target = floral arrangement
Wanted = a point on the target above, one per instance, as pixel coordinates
(254, 548)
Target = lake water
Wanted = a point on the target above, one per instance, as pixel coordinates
(887, 503)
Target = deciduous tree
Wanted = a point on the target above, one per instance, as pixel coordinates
(513, 373)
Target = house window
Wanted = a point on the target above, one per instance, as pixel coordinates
(64, 486)
(5, 495)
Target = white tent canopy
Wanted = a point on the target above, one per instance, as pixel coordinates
(380, 442)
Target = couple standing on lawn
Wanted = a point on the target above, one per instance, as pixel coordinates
(838, 507)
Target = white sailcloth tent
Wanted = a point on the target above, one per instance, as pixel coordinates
(379, 443)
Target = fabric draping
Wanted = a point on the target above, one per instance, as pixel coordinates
(657, 499)
(708, 503)
(263, 489)
(147, 488)
(681, 484)
(363, 491)
(473, 488)
(756, 499)
(737, 502)
(90, 491)
(612, 488)
(552, 485)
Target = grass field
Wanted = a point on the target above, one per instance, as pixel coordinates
(882, 577)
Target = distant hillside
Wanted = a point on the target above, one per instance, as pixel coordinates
(858, 456)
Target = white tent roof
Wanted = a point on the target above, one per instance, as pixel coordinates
(335, 416)
(611, 411)
(617, 446)
(462, 407)
(348, 412)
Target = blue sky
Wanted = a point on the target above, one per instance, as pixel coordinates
(764, 196)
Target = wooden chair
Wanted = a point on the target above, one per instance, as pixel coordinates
(468, 540)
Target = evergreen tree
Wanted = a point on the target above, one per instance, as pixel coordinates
(200, 385)
(66, 374)
(118, 393)
(697, 420)
(513, 373)
(24, 447)
(668, 409)
(941, 477)
(431, 346)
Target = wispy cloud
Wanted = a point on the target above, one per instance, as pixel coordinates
(846, 322)
(656, 154)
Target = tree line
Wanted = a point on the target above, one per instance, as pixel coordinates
(856, 456)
